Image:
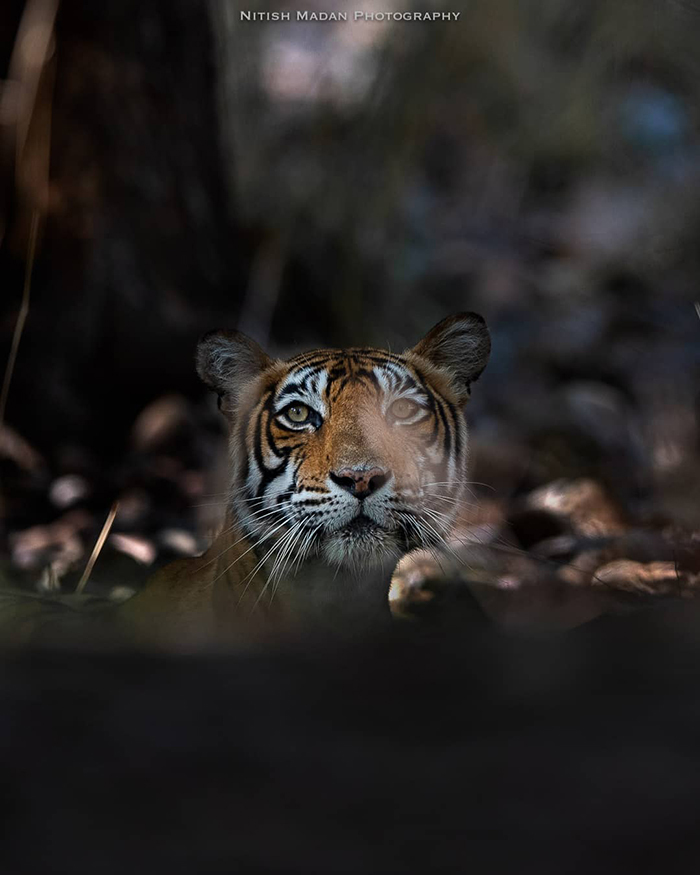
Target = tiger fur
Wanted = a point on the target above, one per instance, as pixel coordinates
(342, 461)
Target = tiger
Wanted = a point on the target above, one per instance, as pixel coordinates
(342, 461)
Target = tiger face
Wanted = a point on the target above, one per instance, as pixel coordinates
(355, 456)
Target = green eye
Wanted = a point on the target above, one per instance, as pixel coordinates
(403, 408)
(297, 413)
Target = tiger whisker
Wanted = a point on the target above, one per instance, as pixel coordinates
(291, 538)
(289, 559)
(453, 485)
(251, 575)
(449, 500)
(234, 544)
(442, 539)
(440, 514)
(285, 544)
(459, 483)
(255, 515)
(245, 552)
(424, 542)
(306, 546)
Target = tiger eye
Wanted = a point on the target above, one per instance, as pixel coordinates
(297, 413)
(403, 408)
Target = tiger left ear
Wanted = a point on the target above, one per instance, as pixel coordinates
(460, 345)
(226, 362)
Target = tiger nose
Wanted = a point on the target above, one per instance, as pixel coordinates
(360, 482)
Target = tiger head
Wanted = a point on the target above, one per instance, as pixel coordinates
(354, 455)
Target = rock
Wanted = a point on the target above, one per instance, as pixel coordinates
(582, 506)
(160, 423)
(68, 490)
(647, 579)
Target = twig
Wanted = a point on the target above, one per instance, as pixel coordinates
(99, 544)
(22, 316)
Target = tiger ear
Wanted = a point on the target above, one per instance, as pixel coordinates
(460, 345)
(226, 361)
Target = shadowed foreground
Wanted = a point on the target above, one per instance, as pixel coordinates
(405, 753)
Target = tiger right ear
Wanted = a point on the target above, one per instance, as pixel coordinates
(226, 361)
(459, 345)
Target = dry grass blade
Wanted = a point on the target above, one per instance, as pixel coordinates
(22, 316)
(27, 70)
(99, 544)
(32, 49)
(25, 99)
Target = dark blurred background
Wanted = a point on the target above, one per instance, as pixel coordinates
(537, 161)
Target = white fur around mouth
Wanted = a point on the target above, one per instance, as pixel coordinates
(362, 541)
(358, 525)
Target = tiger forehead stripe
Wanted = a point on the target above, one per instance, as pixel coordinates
(320, 380)
(324, 356)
